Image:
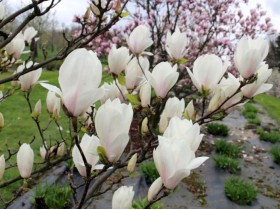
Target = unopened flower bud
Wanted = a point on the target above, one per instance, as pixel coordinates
(144, 127)
(25, 159)
(43, 152)
(190, 111)
(1, 120)
(2, 166)
(37, 109)
(131, 163)
(61, 149)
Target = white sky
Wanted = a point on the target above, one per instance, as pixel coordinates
(66, 9)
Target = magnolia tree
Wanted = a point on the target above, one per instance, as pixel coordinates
(135, 117)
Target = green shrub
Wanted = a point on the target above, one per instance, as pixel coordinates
(259, 130)
(150, 172)
(240, 191)
(227, 163)
(275, 152)
(255, 121)
(217, 129)
(54, 196)
(249, 115)
(140, 204)
(227, 149)
(272, 137)
(250, 108)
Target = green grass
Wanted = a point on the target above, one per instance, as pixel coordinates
(249, 107)
(271, 104)
(53, 197)
(149, 170)
(224, 148)
(255, 121)
(239, 190)
(272, 136)
(19, 125)
(275, 152)
(227, 163)
(217, 129)
(251, 114)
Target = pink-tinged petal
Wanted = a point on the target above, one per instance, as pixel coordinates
(174, 180)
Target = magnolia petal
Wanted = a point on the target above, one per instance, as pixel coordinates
(51, 88)
(196, 162)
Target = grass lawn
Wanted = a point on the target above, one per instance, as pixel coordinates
(19, 125)
(271, 104)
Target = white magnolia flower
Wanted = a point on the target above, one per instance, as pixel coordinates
(207, 71)
(258, 86)
(118, 59)
(16, 46)
(139, 40)
(174, 160)
(111, 91)
(226, 89)
(115, 117)
(173, 107)
(122, 198)
(249, 55)
(27, 81)
(89, 146)
(29, 34)
(182, 129)
(163, 78)
(134, 73)
(79, 78)
(176, 44)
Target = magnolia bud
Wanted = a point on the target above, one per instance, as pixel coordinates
(87, 14)
(145, 94)
(25, 158)
(2, 11)
(144, 127)
(1, 120)
(61, 149)
(190, 111)
(154, 189)
(94, 9)
(131, 163)
(2, 166)
(43, 152)
(38, 109)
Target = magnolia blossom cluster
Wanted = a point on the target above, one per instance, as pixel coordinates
(13, 50)
(137, 86)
